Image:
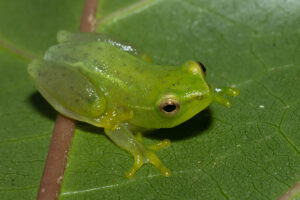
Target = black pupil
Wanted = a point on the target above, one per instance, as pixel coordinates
(202, 66)
(169, 108)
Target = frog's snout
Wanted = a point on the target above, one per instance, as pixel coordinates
(198, 96)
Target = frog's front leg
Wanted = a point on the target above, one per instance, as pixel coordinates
(142, 154)
(218, 95)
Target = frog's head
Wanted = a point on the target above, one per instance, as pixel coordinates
(181, 93)
(188, 95)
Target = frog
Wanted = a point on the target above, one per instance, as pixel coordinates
(108, 83)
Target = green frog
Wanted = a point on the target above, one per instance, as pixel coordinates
(94, 78)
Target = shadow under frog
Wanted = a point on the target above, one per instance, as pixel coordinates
(42, 106)
(194, 126)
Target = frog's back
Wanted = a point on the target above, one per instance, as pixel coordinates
(120, 75)
(103, 75)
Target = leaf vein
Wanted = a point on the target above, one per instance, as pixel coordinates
(17, 51)
(126, 11)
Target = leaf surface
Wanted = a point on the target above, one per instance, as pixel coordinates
(250, 151)
(27, 29)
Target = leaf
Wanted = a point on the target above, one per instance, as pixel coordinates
(28, 28)
(250, 151)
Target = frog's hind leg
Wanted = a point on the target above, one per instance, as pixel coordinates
(69, 91)
(142, 154)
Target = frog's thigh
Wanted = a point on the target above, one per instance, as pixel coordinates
(68, 91)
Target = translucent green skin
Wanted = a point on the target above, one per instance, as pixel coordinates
(93, 78)
(85, 78)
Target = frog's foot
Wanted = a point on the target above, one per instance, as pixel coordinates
(160, 145)
(218, 95)
(154, 147)
(142, 154)
(146, 155)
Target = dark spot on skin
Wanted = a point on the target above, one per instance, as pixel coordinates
(39, 73)
(99, 48)
(63, 75)
(173, 84)
(76, 100)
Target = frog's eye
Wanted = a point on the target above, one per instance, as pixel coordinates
(169, 107)
(203, 68)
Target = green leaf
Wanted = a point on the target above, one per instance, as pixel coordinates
(250, 151)
(27, 29)
(107, 7)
